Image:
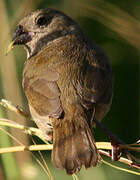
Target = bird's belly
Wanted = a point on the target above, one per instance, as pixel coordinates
(44, 123)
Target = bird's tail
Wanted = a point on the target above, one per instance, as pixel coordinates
(74, 146)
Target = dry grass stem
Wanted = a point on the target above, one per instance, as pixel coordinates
(35, 131)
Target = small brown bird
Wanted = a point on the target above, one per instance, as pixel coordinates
(66, 79)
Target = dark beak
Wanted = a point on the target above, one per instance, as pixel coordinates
(20, 37)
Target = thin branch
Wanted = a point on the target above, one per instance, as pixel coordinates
(18, 110)
(40, 163)
(25, 129)
(108, 146)
(37, 132)
(26, 148)
(10, 135)
(101, 146)
(50, 147)
(119, 168)
(74, 176)
(122, 159)
(43, 164)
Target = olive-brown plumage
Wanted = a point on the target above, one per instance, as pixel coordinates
(66, 78)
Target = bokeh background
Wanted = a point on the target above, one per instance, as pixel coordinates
(112, 24)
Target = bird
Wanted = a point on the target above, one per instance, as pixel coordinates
(67, 79)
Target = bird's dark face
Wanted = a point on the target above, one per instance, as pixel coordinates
(42, 27)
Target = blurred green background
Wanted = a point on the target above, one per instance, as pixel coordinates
(112, 24)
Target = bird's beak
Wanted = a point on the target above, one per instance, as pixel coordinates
(20, 37)
(10, 47)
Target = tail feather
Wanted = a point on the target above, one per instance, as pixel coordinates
(73, 147)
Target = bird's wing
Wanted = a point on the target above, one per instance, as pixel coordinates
(97, 74)
(43, 94)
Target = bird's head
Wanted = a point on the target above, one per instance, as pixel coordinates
(40, 28)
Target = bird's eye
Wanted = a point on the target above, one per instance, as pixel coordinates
(43, 21)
